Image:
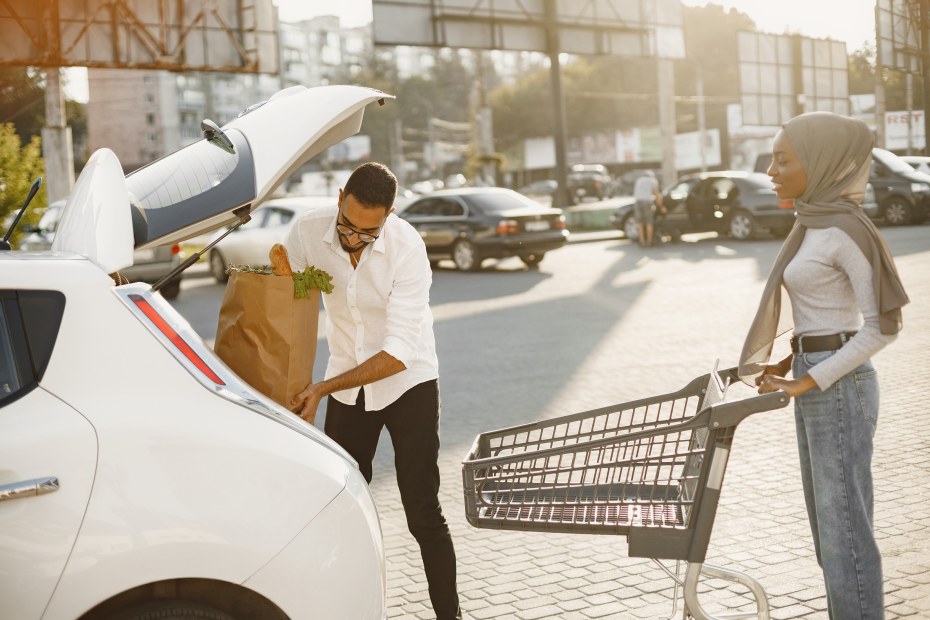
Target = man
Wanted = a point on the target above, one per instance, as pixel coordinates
(648, 198)
(382, 368)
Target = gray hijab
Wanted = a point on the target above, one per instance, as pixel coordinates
(836, 154)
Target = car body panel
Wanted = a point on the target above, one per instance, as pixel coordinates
(204, 197)
(95, 221)
(334, 538)
(38, 533)
(177, 469)
(148, 264)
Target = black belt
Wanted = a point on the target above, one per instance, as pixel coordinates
(816, 344)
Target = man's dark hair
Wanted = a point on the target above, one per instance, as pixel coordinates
(373, 185)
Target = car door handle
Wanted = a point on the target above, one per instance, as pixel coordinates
(29, 488)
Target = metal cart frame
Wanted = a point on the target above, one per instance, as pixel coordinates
(649, 469)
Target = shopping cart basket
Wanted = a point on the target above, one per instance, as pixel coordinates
(649, 469)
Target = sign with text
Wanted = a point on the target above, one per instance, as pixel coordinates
(896, 130)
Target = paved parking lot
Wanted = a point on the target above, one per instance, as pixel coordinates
(606, 322)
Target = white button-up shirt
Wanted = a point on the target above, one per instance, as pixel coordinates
(381, 305)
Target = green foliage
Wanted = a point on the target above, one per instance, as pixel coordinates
(19, 167)
(308, 279)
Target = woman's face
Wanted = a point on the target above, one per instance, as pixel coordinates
(787, 174)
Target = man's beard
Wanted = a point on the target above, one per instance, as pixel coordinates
(348, 248)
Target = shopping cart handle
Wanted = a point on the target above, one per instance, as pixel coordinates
(732, 413)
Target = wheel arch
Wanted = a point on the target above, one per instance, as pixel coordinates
(233, 599)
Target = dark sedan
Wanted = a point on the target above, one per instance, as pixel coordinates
(469, 225)
(736, 203)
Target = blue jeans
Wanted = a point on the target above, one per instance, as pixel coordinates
(835, 429)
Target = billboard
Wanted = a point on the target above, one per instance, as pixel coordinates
(178, 35)
(782, 76)
(618, 27)
(898, 35)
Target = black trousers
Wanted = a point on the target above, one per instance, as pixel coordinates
(413, 423)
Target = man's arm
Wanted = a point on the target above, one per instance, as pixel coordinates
(379, 366)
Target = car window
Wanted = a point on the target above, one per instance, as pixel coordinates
(278, 217)
(29, 323)
(10, 382)
(496, 202)
(429, 207)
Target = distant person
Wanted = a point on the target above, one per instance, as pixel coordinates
(648, 199)
(383, 370)
(846, 300)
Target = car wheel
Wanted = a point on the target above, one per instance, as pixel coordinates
(171, 290)
(218, 266)
(897, 211)
(742, 225)
(630, 229)
(532, 260)
(169, 610)
(465, 255)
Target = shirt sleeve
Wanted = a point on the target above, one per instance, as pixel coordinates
(408, 305)
(295, 249)
(869, 340)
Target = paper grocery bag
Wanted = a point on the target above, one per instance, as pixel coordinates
(266, 336)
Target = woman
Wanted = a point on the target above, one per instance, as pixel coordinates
(846, 300)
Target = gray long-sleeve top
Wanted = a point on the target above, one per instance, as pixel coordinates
(830, 285)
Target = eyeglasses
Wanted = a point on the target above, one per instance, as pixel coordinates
(345, 230)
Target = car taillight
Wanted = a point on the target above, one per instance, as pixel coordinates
(508, 227)
(786, 203)
(176, 248)
(559, 224)
(175, 338)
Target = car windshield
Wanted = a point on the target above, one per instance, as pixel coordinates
(498, 202)
(891, 161)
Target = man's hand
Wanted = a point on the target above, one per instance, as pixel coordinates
(305, 404)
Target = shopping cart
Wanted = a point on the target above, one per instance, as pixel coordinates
(649, 469)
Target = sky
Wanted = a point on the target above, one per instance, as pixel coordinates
(852, 21)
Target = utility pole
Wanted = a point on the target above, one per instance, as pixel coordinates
(560, 199)
(925, 66)
(56, 140)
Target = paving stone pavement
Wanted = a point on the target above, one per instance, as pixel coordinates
(607, 322)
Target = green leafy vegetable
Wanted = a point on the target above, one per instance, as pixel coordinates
(309, 278)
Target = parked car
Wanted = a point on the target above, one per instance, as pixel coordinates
(250, 243)
(902, 193)
(726, 202)
(920, 163)
(148, 265)
(540, 191)
(469, 225)
(588, 181)
(140, 477)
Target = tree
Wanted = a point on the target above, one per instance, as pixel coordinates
(19, 167)
(22, 100)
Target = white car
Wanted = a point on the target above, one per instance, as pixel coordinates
(140, 477)
(249, 244)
